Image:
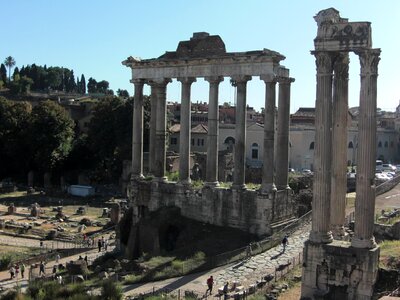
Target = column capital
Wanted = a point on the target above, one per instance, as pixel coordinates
(138, 81)
(269, 78)
(341, 65)
(214, 79)
(160, 81)
(187, 80)
(285, 80)
(369, 60)
(236, 79)
(324, 62)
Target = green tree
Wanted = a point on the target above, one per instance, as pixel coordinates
(16, 75)
(92, 85)
(3, 73)
(83, 84)
(52, 132)
(20, 85)
(9, 62)
(102, 86)
(122, 93)
(15, 151)
(110, 136)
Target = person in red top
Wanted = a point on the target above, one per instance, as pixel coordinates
(210, 283)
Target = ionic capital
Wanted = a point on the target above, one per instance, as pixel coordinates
(138, 81)
(268, 78)
(324, 62)
(186, 80)
(285, 80)
(214, 79)
(159, 82)
(237, 79)
(369, 60)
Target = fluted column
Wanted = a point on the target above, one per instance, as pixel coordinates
(366, 153)
(184, 143)
(268, 184)
(282, 139)
(212, 135)
(320, 231)
(152, 133)
(339, 153)
(159, 161)
(137, 132)
(240, 131)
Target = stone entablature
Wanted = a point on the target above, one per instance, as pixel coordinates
(256, 63)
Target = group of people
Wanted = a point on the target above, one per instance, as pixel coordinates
(102, 244)
(210, 284)
(16, 269)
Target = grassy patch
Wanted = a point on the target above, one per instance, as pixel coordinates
(14, 254)
(253, 186)
(390, 255)
(160, 267)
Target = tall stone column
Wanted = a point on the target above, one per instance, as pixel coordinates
(366, 153)
(153, 122)
(240, 131)
(212, 135)
(320, 231)
(184, 143)
(282, 139)
(159, 160)
(137, 132)
(339, 138)
(268, 184)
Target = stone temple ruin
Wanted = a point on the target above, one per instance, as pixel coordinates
(336, 267)
(204, 56)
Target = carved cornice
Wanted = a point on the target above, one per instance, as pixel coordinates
(324, 62)
(238, 79)
(369, 60)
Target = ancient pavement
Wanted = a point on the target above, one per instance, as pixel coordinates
(245, 272)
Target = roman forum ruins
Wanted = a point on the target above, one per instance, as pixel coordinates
(204, 56)
(336, 267)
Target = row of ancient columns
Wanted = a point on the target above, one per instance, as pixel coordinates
(158, 131)
(329, 192)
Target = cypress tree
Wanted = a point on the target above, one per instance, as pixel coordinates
(83, 84)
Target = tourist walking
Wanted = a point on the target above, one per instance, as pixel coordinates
(12, 272)
(16, 270)
(285, 242)
(210, 283)
(22, 270)
(99, 245)
(57, 257)
(41, 269)
(225, 290)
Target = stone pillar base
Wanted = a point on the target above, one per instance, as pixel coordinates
(268, 188)
(338, 271)
(321, 237)
(160, 179)
(211, 184)
(238, 187)
(363, 243)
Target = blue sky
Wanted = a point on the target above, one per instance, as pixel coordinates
(93, 37)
